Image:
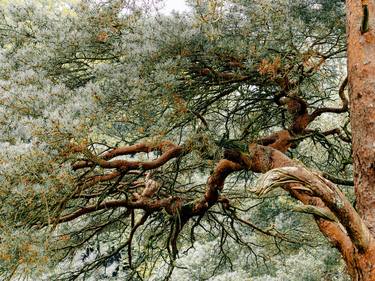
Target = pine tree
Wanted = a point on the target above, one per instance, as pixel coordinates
(129, 136)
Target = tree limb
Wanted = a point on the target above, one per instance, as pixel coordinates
(344, 100)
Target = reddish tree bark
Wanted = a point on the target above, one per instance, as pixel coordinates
(361, 70)
(361, 73)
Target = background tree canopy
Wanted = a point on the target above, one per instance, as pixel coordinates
(119, 126)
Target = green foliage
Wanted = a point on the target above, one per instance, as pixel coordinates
(105, 74)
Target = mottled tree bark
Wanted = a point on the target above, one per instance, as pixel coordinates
(361, 71)
(361, 74)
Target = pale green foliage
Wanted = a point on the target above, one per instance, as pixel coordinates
(309, 265)
(40, 118)
(306, 264)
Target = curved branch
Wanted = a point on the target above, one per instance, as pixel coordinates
(344, 100)
(262, 159)
(131, 235)
(331, 196)
(136, 148)
(215, 184)
(100, 178)
(144, 204)
(337, 180)
(172, 152)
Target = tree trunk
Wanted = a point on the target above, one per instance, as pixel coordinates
(361, 267)
(361, 71)
(361, 74)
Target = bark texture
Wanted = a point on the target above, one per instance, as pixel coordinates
(361, 71)
(361, 77)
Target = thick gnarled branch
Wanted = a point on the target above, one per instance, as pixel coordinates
(314, 185)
